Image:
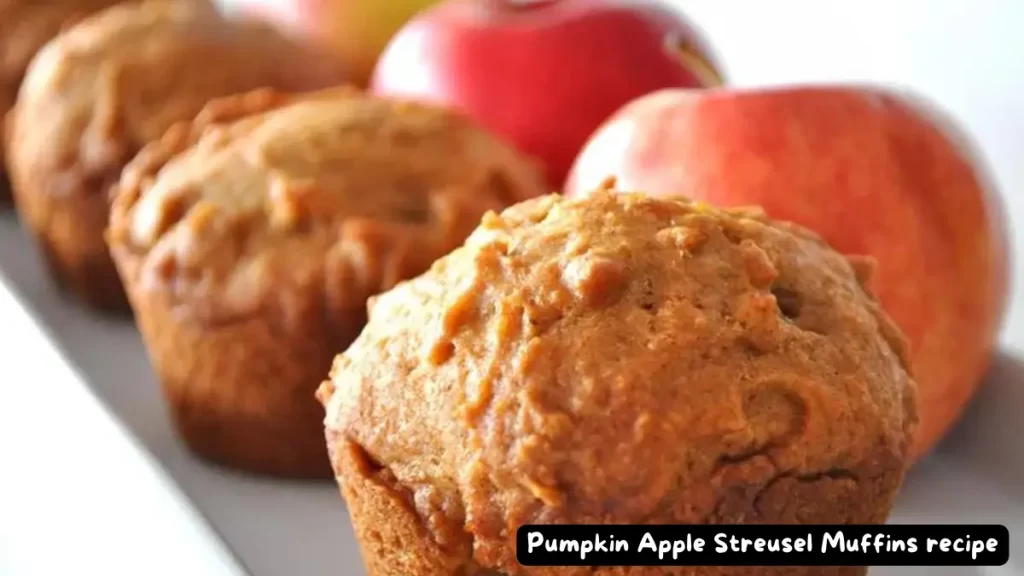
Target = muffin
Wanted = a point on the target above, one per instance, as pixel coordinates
(104, 88)
(617, 359)
(25, 26)
(250, 241)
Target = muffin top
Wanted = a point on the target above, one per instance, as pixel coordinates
(622, 358)
(118, 79)
(25, 26)
(267, 195)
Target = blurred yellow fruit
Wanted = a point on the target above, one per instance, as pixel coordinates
(356, 30)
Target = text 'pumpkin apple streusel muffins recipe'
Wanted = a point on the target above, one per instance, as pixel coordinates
(100, 91)
(250, 240)
(617, 359)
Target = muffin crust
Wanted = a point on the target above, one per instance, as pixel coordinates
(100, 91)
(25, 26)
(250, 240)
(617, 359)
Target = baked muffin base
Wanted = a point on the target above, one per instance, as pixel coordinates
(70, 239)
(248, 443)
(394, 541)
(86, 277)
(6, 200)
(241, 392)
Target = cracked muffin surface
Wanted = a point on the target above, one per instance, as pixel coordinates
(250, 240)
(617, 359)
(104, 88)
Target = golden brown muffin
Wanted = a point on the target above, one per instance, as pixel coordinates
(250, 241)
(25, 26)
(617, 359)
(101, 90)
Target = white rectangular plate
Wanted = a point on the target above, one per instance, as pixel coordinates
(279, 528)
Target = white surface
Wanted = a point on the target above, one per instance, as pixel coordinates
(77, 495)
(82, 497)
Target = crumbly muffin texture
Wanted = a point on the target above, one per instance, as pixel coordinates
(267, 196)
(250, 240)
(120, 78)
(103, 89)
(617, 359)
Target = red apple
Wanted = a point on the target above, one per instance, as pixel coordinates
(873, 172)
(354, 30)
(545, 73)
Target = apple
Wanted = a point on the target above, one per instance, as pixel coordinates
(543, 73)
(873, 171)
(356, 31)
